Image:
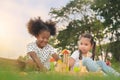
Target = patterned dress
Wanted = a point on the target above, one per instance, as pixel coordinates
(43, 54)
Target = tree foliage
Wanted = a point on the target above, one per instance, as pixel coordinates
(97, 17)
(115, 49)
(74, 9)
(80, 19)
(109, 10)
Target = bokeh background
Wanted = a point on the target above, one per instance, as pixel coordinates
(14, 15)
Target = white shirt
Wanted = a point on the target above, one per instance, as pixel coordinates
(75, 56)
(43, 54)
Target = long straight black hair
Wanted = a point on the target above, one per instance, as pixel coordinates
(89, 36)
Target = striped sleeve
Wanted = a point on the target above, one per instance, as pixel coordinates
(52, 50)
(30, 47)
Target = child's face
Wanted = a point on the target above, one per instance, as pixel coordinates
(84, 45)
(42, 39)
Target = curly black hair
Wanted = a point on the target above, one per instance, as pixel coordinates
(35, 26)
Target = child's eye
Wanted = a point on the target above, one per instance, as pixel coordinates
(86, 44)
(81, 43)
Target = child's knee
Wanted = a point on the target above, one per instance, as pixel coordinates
(86, 60)
(101, 63)
(90, 65)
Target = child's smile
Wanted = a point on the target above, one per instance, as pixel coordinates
(42, 39)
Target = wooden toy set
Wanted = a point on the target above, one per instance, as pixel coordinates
(63, 64)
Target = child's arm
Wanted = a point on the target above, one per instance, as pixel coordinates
(71, 62)
(37, 61)
(55, 56)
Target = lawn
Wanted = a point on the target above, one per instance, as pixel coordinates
(9, 70)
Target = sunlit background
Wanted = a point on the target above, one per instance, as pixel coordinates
(14, 15)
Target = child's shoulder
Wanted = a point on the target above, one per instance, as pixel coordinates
(76, 52)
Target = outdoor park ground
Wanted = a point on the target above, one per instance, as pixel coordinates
(9, 70)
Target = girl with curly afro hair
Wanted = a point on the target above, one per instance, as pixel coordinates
(40, 51)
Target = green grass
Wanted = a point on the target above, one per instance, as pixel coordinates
(8, 65)
(116, 65)
(9, 70)
(51, 76)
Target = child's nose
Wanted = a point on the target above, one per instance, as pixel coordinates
(83, 47)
